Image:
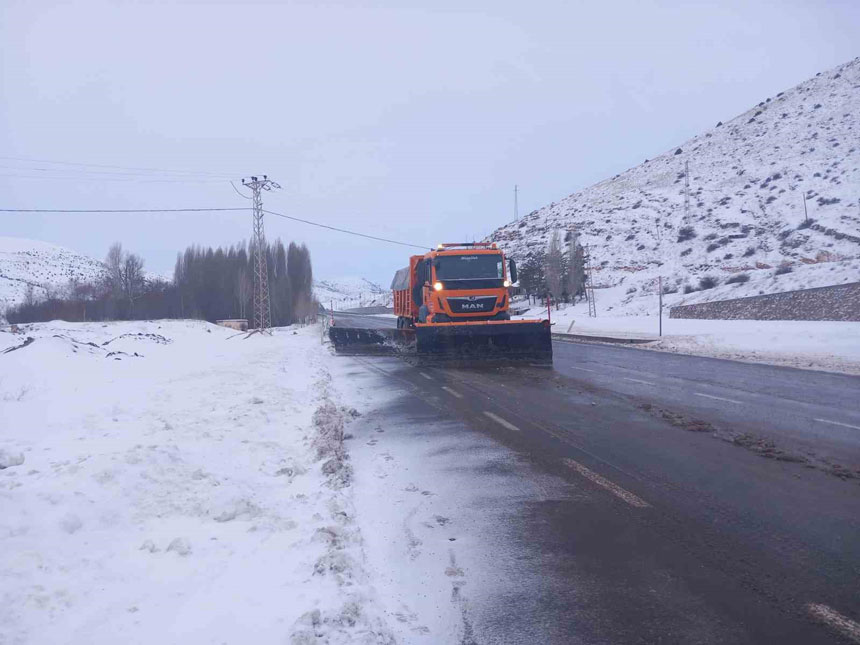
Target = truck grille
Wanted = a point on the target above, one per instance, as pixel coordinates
(472, 304)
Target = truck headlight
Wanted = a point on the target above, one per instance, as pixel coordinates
(507, 283)
(438, 286)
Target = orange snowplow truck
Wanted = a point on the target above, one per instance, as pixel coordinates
(456, 298)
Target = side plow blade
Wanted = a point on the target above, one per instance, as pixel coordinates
(354, 340)
(473, 343)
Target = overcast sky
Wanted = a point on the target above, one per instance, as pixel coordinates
(401, 119)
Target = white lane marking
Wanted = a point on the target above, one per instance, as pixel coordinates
(834, 619)
(501, 421)
(615, 489)
(452, 392)
(837, 423)
(425, 375)
(636, 380)
(583, 369)
(718, 398)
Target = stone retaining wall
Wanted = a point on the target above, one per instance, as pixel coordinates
(839, 302)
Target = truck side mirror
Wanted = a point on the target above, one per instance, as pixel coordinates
(512, 271)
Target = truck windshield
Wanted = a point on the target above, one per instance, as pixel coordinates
(470, 267)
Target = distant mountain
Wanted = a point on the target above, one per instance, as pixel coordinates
(41, 268)
(747, 181)
(351, 291)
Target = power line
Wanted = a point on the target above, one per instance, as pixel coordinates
(144, 179)
(348, 232)
(137, 168)
(204, 210)
(238, 192)
(119, 210)
(102, 173)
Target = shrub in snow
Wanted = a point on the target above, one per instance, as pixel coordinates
(678, 151)
(686, 233)
(805, 223)
(750, 251)
(713, 246)
(782, 269)
(688, 288)
(824, 201)
(708, 282)
(740, 278)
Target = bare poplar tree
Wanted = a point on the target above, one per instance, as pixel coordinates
(124, 278)
(243, 290)
(133, 280)
(113, 262)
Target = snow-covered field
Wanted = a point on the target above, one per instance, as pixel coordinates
(821, 345)
(172, 481)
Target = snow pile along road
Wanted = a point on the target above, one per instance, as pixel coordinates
(826, 345)
(176, 482)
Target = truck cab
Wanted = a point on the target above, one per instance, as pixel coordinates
(466, 282)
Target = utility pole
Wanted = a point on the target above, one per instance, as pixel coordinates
(687, 192)
(589, 285)
(805, 213)
(262, 306)
(516, 205)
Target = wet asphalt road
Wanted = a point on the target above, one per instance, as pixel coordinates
(720, 505)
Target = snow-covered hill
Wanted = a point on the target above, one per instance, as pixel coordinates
(351, 292)
(45, 268)
(747, 182)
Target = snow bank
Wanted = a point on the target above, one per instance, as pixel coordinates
(174, 481)
(821, 345)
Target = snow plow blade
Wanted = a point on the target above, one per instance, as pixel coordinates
(487, 341)
(356, 340)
